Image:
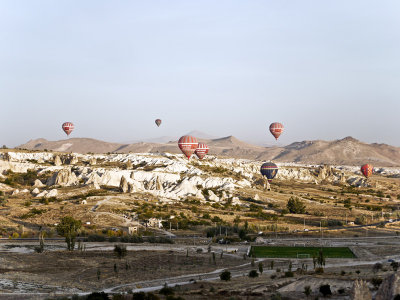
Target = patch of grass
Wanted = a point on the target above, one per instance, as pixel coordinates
(33, 212)
(291, 252)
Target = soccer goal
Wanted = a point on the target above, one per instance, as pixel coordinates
(303, 255)
(299, 244)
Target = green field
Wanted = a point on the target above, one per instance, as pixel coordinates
(292, 252)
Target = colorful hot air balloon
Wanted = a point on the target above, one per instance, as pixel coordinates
(188, 145)
(68, 127)
(202, 150)
(367, 170)
(269, 170)
(158, 122)
(276, 129)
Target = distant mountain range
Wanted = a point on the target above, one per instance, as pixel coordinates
(347, 151)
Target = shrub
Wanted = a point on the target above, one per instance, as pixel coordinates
(289, 274)
(319, 271)
(325, 290)
(295, 206)
(166, 290)
(377, 267)
(394, 265)
(97, 296)
(376, 281)
(343, 273)
(120, 251)
(307, 290)
(253, 274)
(225, 275)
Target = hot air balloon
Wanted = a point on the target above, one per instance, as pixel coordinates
(367, 170)
(158, 122)
(276, 129)
(202, 150)
(188, 145)
(68, 127)
(269, 170)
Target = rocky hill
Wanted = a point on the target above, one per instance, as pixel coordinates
(347, 151)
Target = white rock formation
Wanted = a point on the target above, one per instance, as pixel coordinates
(57, 161)
(212, 197)
(42, 194)
(123, 185)
(51, 193)
(64, 177)
(38, 183)
(35, 191)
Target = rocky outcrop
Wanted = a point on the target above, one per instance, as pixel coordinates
(360, 291)
(51, 193)
(57, 161)
(212, 197)
(35, 191)
(324, 172)
(123, 185)
(92, 161)
(389, 288)
(64, 177)
(128, 165)
(38, 183)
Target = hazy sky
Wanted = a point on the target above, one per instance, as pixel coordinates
(325, 69)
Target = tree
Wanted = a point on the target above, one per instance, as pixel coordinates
(260, 267)
(225, 275)
(307, 290)
(253, 274)
(325, 290)
(69, 228)
(295, 206)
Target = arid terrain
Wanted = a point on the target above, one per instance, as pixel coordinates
(182, 223)
(346, 151)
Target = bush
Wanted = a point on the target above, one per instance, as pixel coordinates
(97, 296)
(289, 274)
(120, 251)
(325, 290)
(167, 291)
(96, 238)
(376, 281)
(377, 267)
(307, 290)
(295, 206)
(225, 275)
(394, 265)
(253, 274)
(319, 271)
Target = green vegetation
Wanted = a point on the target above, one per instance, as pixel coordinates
(295, 206)
(33, 212)
(225, 275)
(69, 228)
(292, 252)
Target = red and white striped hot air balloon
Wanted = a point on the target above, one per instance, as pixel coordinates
(202, 150)
(68, 127)
(188, 145)
(276, 129)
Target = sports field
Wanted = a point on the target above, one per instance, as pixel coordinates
(301, 252)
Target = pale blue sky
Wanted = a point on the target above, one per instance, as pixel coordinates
(325, 69)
